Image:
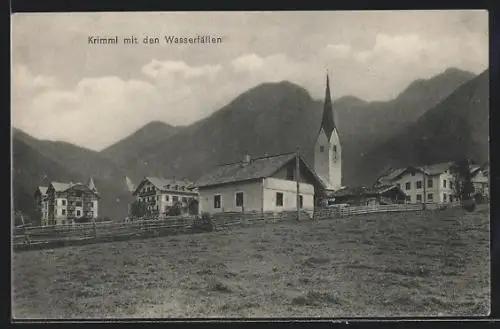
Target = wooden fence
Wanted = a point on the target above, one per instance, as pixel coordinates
(26, 238)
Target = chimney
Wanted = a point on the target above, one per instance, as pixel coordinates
(246, 159)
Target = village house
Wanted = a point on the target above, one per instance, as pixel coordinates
(261, 184)
(368, 196)
(480, 179)
(429, 183)
(159, 194)
(67, 203)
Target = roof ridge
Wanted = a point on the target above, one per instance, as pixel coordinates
(258, 158)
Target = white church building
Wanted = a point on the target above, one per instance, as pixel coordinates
(278, 182)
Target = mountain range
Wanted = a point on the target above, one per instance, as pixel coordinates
(436, 119)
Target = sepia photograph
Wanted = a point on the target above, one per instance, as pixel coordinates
(250, 165)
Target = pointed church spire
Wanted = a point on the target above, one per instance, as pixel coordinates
(91, 184)
(328, 122)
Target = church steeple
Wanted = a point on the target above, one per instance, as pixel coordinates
(327, 150)
(328, 121)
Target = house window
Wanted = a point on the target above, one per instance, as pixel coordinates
(175, 198)
(451, 198)
(451, 185)
(444, 183)
(239, 199)
(217, 201)
(157, 198)
(408, 186)
(322, 148)
(398, 185)
(78, 213)
(78, 203)
(301, 202)
(408, 198)
(184, 199)
(279, 199)
(334, 152)
(419, 197)
(63, 202)
(430, 183)
(64, 211)
(419, 184)
(166, 197)
(289, 173)
(444, 197)
(430, 197)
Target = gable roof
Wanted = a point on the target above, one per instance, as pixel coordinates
(163, 184)
(62, 187)
(42, 190)
(434, 169)
(257, 168)
(362, 190)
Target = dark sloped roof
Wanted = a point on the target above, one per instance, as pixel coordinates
(328, 121)
(166, 184)
(62, 187)
(362, 190)
(236, 172)
(434, 169)
(256, 168)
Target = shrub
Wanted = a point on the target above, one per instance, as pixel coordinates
(203, 223)
(469, 205)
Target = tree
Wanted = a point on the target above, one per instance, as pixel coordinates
(138, 209)
(193, 206)
(464, 188)
(463, 179)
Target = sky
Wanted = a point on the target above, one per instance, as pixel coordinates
(92, 95)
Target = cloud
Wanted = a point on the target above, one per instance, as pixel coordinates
(167, 69)
(23, 78)
(339, 50)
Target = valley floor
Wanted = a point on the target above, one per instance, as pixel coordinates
(401, 264)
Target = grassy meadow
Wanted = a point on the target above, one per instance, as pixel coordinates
(434, 263)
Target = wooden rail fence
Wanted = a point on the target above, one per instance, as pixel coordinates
(26, 238)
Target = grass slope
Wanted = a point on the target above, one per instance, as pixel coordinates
(400, 264)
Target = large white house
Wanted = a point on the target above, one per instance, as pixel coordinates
(67, 203)
(429, 184)
(158, 194)
(261, 184)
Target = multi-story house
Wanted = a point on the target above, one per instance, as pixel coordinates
(159, 194)
(42, 204)
(429, 183)
(69, 203)
(480, 179)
